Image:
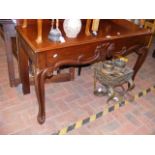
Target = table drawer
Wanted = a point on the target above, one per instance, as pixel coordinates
(72, 53)
(123, 46)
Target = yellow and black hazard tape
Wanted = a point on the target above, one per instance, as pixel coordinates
(106, 110)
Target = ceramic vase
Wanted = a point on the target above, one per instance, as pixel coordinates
(72, 27)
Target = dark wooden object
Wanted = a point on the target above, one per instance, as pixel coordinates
(115, 38)
(8, 33)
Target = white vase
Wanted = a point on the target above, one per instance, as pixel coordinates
(72, 27)
(136, 21)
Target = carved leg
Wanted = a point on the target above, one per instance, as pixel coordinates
(23, 69)
(40, 92)
(142, 53)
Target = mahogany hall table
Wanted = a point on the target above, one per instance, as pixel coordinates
(115, 37)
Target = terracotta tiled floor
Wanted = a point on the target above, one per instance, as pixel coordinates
(71, 101)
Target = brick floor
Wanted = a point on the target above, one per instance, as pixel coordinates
(69, 102)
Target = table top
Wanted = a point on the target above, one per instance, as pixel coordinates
(116, 29)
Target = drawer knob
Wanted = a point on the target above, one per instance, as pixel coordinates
(55, 55)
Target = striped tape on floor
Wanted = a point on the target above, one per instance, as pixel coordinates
(106, 110)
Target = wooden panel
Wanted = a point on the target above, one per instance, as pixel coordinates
(72, 53)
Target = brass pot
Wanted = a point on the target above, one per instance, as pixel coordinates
(108, 65)
(119, 63)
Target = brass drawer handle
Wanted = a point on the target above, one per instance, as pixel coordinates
(55, 55)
